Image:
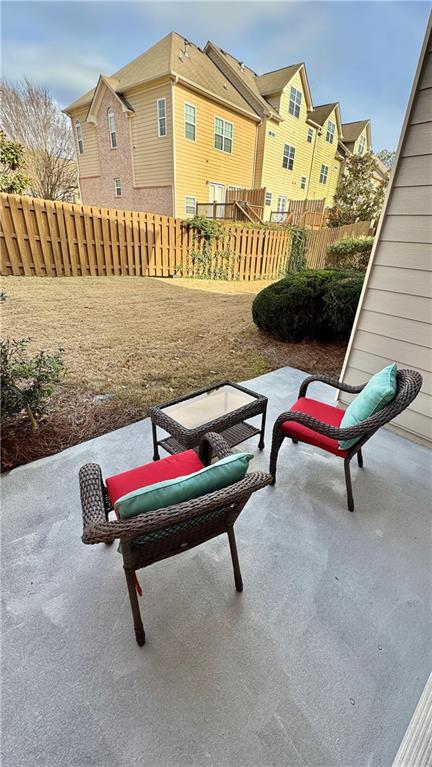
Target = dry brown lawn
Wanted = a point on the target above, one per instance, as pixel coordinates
(144, 340)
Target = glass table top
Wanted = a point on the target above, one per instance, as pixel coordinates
(202, 408)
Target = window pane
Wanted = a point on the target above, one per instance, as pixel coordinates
(228, 130)
(228, 145)
(218, 141)
(189, 113)
(190, 131)
(218, 125)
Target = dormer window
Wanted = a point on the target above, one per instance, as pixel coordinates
(361, 145)
(112, 129)
(79, 138)
(331, 128)
(295, 102)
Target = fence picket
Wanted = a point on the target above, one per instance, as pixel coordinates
(54, 239)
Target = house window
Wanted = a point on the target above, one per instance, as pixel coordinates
(79, 137)
(294, 102)
(112, 129)
(268, 198)
(272, 133)
(190, 205)
(190, 122)
(303, 181)
(310, 134)
(288, 157)
(323, 174)
(361, 145)
(161, 117)
(331, 127)
(223, 135)
(117, 187)
(282, 203)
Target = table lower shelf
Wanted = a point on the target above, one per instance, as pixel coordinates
(234, 435)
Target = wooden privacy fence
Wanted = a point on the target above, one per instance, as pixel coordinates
(56, 239)
(317, 241)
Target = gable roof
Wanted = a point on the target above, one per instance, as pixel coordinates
(274, 82)
(352, 131)
(320, 114)
(176, 57)
(245, 77)
(110, 83)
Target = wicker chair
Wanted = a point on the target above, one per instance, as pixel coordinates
(318, 424)
(163, 533)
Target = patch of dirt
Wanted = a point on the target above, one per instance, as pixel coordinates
(314, 357)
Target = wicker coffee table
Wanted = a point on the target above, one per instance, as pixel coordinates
(222, 408)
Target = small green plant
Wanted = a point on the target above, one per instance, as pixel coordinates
(12, 161)
(204, 227)
(27, 382)
(314, 303)
(350, 252)
(297, 259)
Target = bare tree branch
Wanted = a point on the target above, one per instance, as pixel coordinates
(30, 116)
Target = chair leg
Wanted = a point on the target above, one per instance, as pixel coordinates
(294, 441)
(360, 458)
(277, 440)
(138, 626)
(350, 499)
(234, 556)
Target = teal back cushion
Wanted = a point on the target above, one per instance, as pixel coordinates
(172, 491)
(378, 392)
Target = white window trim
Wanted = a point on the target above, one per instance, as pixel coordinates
(292, 99)
(268, 195)
(225, 122)
(290, 146)
(79, 137)
(282, 197)
(361, 146)
(190, 197)
(115, 187)
(188, 104)
(111, 116)
(164, 117)
(323, 178)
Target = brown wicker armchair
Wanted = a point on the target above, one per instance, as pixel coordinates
(163, 533)
(317, 423)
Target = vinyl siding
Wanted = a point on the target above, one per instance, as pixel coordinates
(292, 131)
(152, 155)
(325, 155)
(199, 162)
(88, 163)
(394, 321)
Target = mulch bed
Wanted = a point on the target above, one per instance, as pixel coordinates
(73, 416)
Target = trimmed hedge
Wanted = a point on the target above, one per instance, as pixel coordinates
(349, 252)
(318, 304)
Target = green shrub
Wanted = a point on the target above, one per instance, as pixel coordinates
(204, 227)
(318, 304)
(349, 252)
(27, 381)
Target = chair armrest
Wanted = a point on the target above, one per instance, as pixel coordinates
(98, 530)
(330, 382)
(213, 445)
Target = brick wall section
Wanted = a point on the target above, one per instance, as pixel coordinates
(117, 163)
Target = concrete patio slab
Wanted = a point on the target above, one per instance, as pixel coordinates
(320, 662)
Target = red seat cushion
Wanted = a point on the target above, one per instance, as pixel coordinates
(322, 412)
(167, 468)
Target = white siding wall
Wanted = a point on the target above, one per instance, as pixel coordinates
(394, 322)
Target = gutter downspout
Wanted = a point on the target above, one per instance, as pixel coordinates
(173, 84)
(261, 122)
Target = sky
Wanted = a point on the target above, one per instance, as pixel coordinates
(362, 54)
